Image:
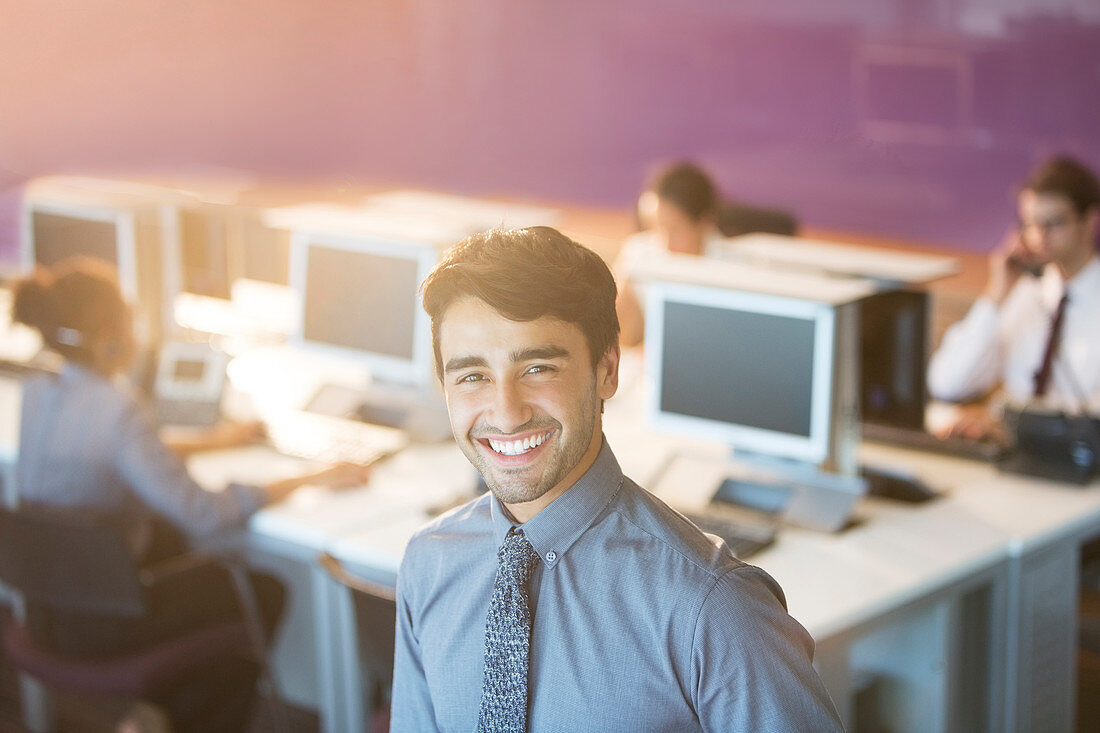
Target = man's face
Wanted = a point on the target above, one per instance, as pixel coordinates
(524, 401)
(1051, 230)
(679, 232)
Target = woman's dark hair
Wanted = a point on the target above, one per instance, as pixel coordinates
(525, 274)
(73, 305)
(1066, 177)
(688, 187)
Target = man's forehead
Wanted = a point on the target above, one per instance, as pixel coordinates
(470, 324)
(1045, 202)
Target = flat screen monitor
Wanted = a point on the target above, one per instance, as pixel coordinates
(204, 254)
(55, 232)
(893, 358)
(360, 299)
(755, 371)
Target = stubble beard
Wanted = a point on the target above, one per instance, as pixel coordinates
(514, 487)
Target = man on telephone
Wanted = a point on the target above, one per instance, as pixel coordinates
(1034, 330)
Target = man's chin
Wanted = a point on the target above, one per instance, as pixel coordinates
(512, 493)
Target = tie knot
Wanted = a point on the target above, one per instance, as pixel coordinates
(516, 556)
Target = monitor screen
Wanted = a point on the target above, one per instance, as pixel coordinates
(57, 237)
(204, 252)
(726, 377)
(189, 370)
(749, 369)
(360, 302)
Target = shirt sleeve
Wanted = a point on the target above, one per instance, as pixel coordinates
(969, 361)
(753, 663)
(159, 479)
(411, 703)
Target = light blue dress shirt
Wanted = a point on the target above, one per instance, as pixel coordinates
(86, 445)
(641, 622)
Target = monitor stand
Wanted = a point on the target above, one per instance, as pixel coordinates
(796, 492)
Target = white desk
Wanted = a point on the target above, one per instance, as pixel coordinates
(798, 253)
(286, 538)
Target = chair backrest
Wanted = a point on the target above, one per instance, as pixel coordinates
(735, 219)
(66, 565)
(375, 620)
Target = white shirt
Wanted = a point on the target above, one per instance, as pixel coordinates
(642, 248)
(1004, 345)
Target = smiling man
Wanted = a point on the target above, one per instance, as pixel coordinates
(568, 598)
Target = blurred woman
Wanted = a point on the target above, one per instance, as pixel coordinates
(89, 451)
(678, 213)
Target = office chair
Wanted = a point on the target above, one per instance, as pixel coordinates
(375, 624)
(65, 566)
(735, 219)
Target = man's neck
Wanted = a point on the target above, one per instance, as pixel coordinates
(1073, 268)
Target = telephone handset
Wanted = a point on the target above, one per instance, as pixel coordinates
(1026, 266)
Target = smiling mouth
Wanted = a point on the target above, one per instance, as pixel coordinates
(517, 447)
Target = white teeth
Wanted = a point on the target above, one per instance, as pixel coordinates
(516, 447)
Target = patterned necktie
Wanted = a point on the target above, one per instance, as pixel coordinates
(508, 639)
(1042, 375)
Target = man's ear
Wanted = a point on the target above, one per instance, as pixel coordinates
(607, 373)
(1092, 223)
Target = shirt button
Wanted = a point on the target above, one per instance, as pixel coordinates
(551, 556)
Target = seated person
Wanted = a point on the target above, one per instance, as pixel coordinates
(677, 211)
(1033, 331)
(89, 451)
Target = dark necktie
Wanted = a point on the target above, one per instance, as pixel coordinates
(508, 639)
(1042, 375)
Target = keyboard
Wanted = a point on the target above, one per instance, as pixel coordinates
(331, 439)
(980, 450)
(743, 539)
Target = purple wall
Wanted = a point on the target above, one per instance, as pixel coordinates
(901, 118)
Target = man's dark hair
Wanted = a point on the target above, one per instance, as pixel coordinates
(1067, 177)
(525, 274)
(688, 187)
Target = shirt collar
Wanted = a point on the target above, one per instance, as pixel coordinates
(554, 529)
(1086, 281)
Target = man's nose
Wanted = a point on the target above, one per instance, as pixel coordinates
(510, 409)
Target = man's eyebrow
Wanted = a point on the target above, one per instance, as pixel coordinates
(539, 352)
(464, 362)
(526, 354)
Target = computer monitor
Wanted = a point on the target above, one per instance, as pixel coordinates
(55, 232)
(771, 375)
(202, 237)
(893, 358)
(213, 245)
(122, 226)
(757, 371)
(360, 300)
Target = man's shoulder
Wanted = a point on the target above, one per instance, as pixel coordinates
(665, 530)
(463, 523)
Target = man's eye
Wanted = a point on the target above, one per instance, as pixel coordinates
(539, 369)
(469, 378)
